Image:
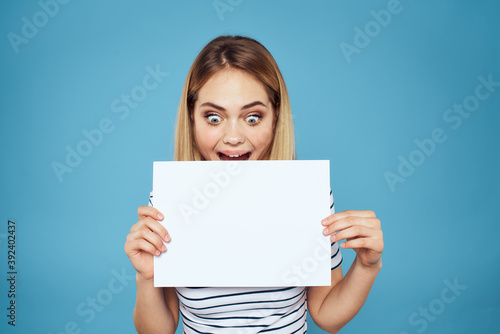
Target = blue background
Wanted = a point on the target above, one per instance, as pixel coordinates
(440, 224)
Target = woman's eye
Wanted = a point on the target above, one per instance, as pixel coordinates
(253, 119)
(214, 119)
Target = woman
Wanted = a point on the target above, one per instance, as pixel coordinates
(235, 105)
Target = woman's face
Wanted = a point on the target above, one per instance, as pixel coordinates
(233, 116)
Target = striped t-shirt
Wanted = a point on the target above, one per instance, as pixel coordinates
(240, 310)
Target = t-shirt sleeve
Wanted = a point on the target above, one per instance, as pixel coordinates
(336, 255)
(150, 199)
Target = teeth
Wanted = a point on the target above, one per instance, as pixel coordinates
(231, 156)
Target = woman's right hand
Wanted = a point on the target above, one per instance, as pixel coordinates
(144, 242)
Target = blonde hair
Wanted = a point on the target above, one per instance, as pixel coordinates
(243, 53)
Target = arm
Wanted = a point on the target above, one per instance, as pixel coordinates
(156, 309)
(332, 307)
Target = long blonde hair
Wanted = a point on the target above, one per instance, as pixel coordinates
(245, 54)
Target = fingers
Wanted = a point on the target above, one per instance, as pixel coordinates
(145, 240)
(348, 222)
(153, 225)
(346, 214)
(374, 244)
(355, 232)
(149, 211)
(147, 234)
(135, 246)
(360, 229)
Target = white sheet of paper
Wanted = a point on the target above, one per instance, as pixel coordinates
(243, 223)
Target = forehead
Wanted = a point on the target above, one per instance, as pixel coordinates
(232, 85)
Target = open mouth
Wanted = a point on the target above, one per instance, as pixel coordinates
(245, 156)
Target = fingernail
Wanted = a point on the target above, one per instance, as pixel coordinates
(160, 216)
(163, 248)
(167, 238)
(157, 252)
(323, 221)
(325, 231)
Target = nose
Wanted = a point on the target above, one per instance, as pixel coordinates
(233, 134)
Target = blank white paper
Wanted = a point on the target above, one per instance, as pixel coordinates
(243, 223)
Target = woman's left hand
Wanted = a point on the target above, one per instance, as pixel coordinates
(362, 231)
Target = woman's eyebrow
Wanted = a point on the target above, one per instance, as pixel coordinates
(256, 103)
(247, 106)
(210, 104)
